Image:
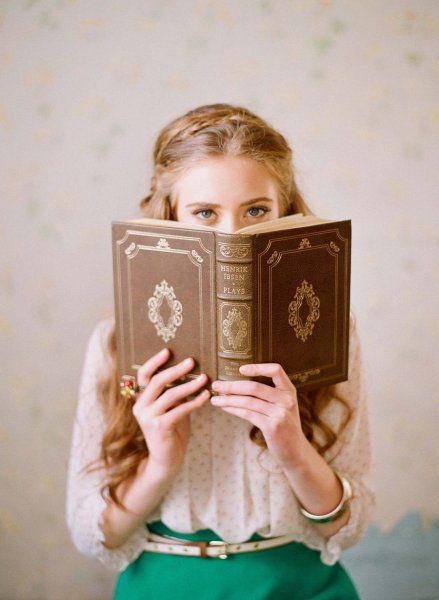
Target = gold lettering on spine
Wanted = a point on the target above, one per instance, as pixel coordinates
(234, 304)
(234, 280)
(232, 371)
(235, 268)
(233, 277)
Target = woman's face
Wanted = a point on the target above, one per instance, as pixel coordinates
(227, 193)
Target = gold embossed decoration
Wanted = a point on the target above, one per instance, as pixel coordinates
(305, 243)
(165, 291)
(303, 376)
(163, 243)
(196, 256)
(130, 249)
(234, 328)
(304, 292)
(234, 250)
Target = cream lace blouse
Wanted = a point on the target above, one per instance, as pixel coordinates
(226, 483)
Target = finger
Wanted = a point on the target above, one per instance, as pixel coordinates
(175, 415)
(273, 370)
(147, 370)
(158, 381)
(249, 415)
(166, 400)
(245, 402)
(252, 388)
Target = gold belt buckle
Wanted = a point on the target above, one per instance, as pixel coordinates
(220, 543)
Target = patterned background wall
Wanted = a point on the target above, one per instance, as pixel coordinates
(85, 88)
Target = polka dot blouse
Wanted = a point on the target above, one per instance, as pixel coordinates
(226, 483)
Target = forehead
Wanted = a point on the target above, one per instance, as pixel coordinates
(226, 176)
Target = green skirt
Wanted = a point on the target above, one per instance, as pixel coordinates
(292, 571)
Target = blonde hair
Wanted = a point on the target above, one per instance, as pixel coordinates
(206, 131)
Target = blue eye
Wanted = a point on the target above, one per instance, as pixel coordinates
(264, 210)
(261, 208)
(202, 212)
(206, 210)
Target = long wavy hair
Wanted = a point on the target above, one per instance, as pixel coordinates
(207, 131)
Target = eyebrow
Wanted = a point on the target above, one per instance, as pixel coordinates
(213, 205)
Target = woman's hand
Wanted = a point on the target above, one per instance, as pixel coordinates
(273, 409)
(163, 416)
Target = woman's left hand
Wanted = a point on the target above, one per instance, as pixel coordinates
(274, 410)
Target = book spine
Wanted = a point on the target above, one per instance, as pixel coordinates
(234, 303)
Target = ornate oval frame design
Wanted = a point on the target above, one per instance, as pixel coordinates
(304, 292)
(163, 291)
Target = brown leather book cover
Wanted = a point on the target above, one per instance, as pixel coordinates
(230, 299)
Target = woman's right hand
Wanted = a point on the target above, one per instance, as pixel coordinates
(163, 416)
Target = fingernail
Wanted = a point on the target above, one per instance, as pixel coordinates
(187, 362)
(201, 376)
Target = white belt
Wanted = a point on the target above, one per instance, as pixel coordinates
(214, 548)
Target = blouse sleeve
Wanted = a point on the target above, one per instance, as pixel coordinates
(84, 503)
(353, 459)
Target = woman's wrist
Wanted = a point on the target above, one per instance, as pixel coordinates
(158, 472)
(140, 495)
(315, 484)
(338, 511)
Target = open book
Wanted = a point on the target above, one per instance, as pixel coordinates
(277, 291)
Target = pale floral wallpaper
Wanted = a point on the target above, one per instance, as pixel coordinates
(85, 88)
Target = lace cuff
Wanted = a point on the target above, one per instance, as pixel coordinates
(361, 506)
(84, 503)
(354, 461)
(88, 537)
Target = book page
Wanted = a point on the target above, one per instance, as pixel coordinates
(287, 222)
(169, 223)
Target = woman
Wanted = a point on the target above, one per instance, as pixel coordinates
(250, 464)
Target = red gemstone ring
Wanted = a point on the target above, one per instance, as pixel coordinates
(129, 387)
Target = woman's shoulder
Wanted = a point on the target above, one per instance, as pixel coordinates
(97, 342)
(105, 324)
(354, 341)
(101, 330)
(352, 387)
(353, 391)
(355, 386)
